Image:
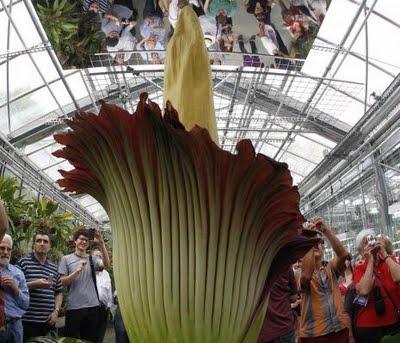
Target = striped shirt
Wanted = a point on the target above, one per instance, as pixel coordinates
(42, 300)
(104, 5)
(322, 310)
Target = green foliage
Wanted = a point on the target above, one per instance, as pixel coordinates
(28, 216)
(16, 207)
(73, 34)
(46, 217)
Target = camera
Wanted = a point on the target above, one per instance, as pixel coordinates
(91, 234)
(371, 240)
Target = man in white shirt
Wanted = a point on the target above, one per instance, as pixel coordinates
(104, 288)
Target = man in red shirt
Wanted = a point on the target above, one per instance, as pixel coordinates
(379, 298)
(280, 320)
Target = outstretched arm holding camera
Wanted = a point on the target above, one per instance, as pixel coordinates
(337, 246)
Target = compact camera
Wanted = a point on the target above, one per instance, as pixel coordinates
(91, 232)
(371, 240)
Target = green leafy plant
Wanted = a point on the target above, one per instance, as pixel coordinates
(59, 20)
(73, 34)
(45, 216)
(16, 207)
(28, 216)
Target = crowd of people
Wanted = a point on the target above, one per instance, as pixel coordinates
(33, 289)
(126, 30)
(343, 300)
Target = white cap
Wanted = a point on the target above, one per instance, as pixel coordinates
(362, 234)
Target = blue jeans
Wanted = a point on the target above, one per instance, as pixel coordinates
(13, 332)
(288, 338)
(120, 332)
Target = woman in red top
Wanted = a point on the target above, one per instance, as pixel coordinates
(379, 298)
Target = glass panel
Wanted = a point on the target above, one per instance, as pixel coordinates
(28, 30)
(296, 164)
(29, 108)
(338, 217)
(392, 179)
(32, 148)
(53, 172)
(61, 93)
(43, 158)
(354, 210)
(3, 29)
(46, 65)
(373, 217)
(86, 200)
(23, 76)
(77, 86)
(309, 150)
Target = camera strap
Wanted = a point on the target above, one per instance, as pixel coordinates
(94, 277)
(395, 306)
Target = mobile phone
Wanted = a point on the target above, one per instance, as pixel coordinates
(50, 278)
(91, 234)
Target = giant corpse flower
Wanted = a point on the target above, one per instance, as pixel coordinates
(196, 229)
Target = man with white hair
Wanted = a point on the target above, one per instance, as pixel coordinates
(15, 293)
